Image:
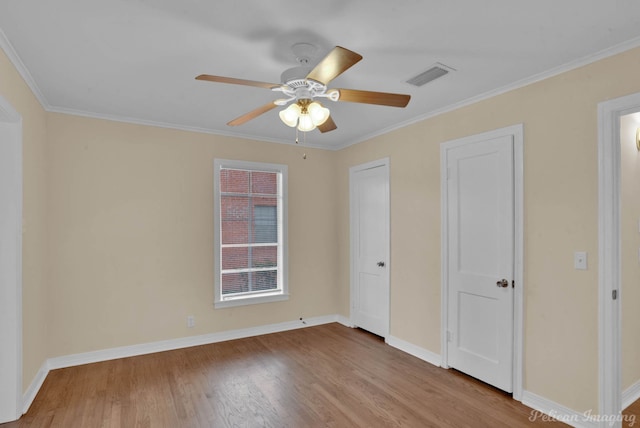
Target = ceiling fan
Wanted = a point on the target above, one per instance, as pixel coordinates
(301, 86)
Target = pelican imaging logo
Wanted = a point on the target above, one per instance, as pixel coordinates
(588, 416)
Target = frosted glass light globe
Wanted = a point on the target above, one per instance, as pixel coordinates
(319, 114)
(290, 115)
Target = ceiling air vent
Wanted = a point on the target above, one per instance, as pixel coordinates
(438, 70)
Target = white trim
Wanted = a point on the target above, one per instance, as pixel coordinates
(631, 395)
(609, 249)
(169, 125)
(8, 113)
(416, 351)
(15, 59)
(283, 252)
(580, 62)
(251, 300)
(529, 399)
(10, 262)
(380, 163)
(555, 410)
(571, 65)
(183, 342)
(444, 265)
(517, 132)
(344, 321)
(165, 345)
(518, 261)
(31, 392)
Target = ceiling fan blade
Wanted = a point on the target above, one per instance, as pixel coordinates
(235, 81)
(328, 125)
(369, 97)
(252, 114)
(334, 64)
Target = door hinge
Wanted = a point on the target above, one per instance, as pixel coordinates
(513, 284)
(614, 294)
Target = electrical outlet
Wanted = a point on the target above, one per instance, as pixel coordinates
(191, 321)
(580, 260)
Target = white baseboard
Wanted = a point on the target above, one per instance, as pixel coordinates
(31, 392)
(529, 399)
(164, 345)
(631, 395)
(344, 321)
(416, 351)
(183, 342)
(544, 408)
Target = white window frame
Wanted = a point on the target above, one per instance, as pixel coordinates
(262, 296)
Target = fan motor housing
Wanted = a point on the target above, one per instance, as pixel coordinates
(295, 73)
(296, 84)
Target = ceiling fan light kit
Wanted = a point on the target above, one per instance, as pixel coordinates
(290, 115)
(305, 114)
(318, 114)
(303, 84)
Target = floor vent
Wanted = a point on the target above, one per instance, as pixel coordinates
(438, 70)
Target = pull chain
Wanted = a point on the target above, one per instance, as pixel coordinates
(304, 141)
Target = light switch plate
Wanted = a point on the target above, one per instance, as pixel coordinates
(580, 260)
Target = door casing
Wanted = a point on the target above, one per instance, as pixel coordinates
(517, 133)
(609, 252)
(384, 163)
(10, 263)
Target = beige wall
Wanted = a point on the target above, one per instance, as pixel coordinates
(560, 216)
(131, 243)
(127, 210)
(34, 285)
(630, 221)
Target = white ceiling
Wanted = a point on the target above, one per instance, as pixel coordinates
(136, 60)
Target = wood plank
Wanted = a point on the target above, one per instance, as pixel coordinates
(328, 375)
(631, 415)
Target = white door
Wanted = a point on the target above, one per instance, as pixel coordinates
(480, 222)
(369, 188)
(10, 264)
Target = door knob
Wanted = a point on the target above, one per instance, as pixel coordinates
(381, 264)
(502, 283)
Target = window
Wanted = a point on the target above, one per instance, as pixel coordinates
(250, 232)
(265, 219)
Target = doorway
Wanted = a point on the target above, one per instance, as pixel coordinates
(369, 225)
(482, 256)
(630, 262)
(10, 263)
(610, 252)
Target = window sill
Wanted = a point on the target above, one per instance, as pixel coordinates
(251, 300)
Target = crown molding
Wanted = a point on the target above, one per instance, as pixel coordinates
(175, 126)
(572, 65)
(15, 59)
(5, 44)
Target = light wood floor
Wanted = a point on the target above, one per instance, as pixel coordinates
(321, 376)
